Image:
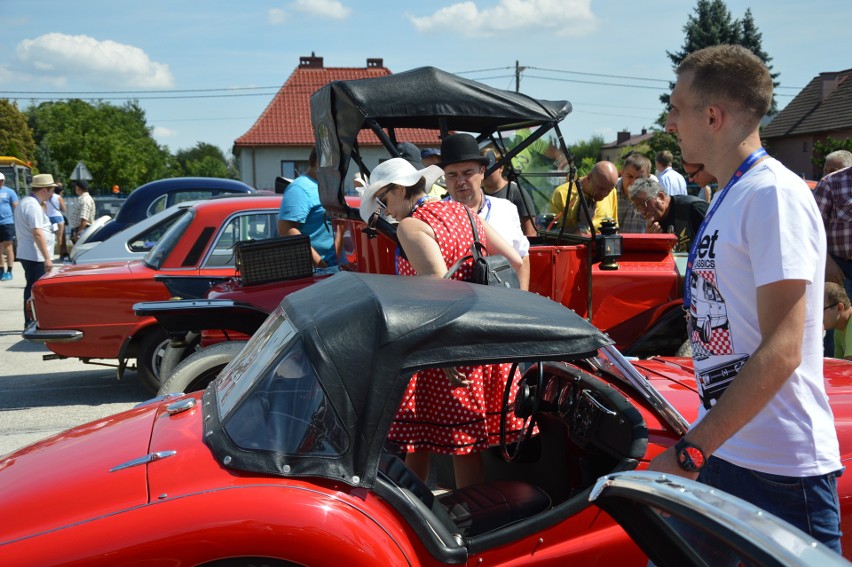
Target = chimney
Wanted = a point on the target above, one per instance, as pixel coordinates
(375, 62)
(829, 83)
(311, 62)
(622, 137)
(644, 131)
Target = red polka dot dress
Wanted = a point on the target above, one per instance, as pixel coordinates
(435, 416)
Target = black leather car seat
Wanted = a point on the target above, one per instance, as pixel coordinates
(472, 510)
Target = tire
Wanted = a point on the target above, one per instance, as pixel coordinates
(201, 368)
(149, 355)
(174, 355)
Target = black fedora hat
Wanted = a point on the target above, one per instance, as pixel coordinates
(460, 147)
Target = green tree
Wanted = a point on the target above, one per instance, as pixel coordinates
(590, 148)
(822, 149)
(203, 160)
(712, 24)
(114, 142)
(16, 137)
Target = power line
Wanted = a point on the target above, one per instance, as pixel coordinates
(600, 75)
(153, 91)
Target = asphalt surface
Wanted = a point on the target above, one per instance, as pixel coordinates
(40, 398)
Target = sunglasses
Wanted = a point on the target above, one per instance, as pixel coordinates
(690, 176)
(381, 196)
(827, 307)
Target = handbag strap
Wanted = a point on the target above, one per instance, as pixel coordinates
(474, 248)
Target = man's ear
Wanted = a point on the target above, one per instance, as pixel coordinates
(715, 116)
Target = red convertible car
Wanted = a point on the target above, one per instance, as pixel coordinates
(283, 460)
(628, 285)
(85, 311)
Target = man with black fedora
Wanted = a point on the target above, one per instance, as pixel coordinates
(464, 171)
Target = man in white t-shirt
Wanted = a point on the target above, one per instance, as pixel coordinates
(34, 232)
(464, 171)
(765, 430)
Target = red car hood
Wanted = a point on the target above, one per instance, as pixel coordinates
(44, 484)
(72, 270)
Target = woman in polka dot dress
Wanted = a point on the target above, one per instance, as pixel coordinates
(454, 410)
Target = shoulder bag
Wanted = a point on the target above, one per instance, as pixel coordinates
(487, 269)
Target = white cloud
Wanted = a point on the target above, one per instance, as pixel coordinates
(276, 16)
(324, 8)
(161, 132)
(59, 57)
(565, 17)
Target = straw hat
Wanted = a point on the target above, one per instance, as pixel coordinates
(43, 180)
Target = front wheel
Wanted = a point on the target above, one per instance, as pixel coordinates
(174, 355)
(149, 355)
(201, 368)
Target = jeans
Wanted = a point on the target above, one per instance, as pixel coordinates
(809, 503)
(32, 272)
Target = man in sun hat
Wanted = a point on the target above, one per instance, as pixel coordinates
(464, 172)
(35, 234)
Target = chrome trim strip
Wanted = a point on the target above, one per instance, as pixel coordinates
(149, 458)
(652, 396)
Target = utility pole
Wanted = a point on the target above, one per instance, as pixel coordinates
(518, 71)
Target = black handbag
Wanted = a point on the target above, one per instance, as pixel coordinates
(487, 269)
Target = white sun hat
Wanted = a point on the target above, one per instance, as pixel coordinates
(396, 171)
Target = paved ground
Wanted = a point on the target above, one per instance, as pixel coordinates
(40, 398)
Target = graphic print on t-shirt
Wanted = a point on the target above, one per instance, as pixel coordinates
(709, 329)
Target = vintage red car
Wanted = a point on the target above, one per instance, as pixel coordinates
(283, 459)
(628, 285)
(85, 311)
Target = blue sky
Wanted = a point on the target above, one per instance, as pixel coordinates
(215, 65)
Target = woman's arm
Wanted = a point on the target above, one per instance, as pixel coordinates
(418, 240)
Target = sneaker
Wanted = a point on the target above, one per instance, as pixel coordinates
(6, 276)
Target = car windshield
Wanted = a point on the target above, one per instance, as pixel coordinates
(271, 400)
(146, 239)
(155, 258)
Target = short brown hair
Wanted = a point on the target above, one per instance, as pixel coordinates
(664, 158)
(835, 294)
(732, 73)
(637, 161)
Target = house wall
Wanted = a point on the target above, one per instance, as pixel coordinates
(259, 166)
(795, 152)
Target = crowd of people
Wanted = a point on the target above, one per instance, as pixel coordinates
(769, 252)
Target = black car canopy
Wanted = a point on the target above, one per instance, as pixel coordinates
(423, 98)
(365, 346)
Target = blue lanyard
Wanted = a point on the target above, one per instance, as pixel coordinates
(486, 203)
(693, 250)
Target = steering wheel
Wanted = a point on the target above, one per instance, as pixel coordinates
(524, 406)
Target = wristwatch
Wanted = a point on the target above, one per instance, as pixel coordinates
(689, 456)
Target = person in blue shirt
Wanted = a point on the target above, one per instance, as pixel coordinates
(8, 202)
(302, 213)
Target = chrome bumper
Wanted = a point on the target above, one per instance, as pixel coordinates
(36, 335)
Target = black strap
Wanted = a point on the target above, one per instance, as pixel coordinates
(475, 248)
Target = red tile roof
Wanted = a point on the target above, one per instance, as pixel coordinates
(287, 119)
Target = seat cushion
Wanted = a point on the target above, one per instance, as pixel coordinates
(483, 507)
